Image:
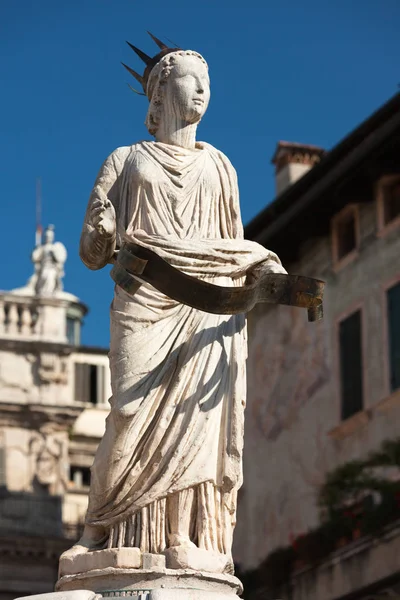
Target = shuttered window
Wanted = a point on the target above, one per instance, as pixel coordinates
(350, 344)
(391, 201)
(393, 314)
(346, 236)
(3, 481)
(89, 383)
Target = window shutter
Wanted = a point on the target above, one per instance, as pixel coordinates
(351, 365)
(100, 384)
(393, 308)
(93, 384)
(82, 382)
(3, 480)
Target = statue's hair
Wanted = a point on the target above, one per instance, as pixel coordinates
(156, 86)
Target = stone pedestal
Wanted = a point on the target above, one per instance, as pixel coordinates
(75, 595)
(154, 584)
(180, 573)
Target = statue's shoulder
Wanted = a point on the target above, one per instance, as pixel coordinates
(60, 252)
(218, 156)
(120, 155)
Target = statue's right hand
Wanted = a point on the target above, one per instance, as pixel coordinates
(102, 217)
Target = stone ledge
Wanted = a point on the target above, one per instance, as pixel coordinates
(117, 558)
(73, 595)
(157, 594)
(353, 567)
(129, 582)
(391, 401)
(350, 425)
(169, 594)
(182, 557)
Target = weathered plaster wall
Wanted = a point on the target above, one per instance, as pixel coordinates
(293, 399)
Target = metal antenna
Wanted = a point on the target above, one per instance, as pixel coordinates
(38, 235)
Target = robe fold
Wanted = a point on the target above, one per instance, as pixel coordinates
(178, 374)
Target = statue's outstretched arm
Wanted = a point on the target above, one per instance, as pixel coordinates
(98, 238)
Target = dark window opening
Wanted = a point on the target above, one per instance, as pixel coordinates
(350, 344)
(393, 309)
(71, 331)
(346, 235)
(89, 383)
(93, 384)
(3, 481)
(391, 202)
(79, 476)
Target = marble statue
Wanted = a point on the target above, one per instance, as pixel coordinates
(48, 258)
(167, 471)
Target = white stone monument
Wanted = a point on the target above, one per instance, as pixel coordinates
(164, 484)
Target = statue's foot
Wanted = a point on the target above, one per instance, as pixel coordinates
(93, 538)
(179, 540)
(229, 567)
(79, 548)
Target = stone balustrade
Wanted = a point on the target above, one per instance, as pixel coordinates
(19, 317)
(44, 318)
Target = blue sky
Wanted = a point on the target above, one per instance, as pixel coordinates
(307, 72)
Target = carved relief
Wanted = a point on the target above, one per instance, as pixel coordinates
(52, 368)
(49, 456)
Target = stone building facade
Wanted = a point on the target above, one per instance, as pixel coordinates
(326, 393)
(53, 405)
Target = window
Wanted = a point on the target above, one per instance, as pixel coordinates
(79, 476)
(345, 234)
(391, 201)
(73, 331)
(93, 384)
(350, 350)
(393, 312)
(3, 481)
(89, 383)
(388, 203)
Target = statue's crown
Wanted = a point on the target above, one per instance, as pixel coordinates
(149, 61)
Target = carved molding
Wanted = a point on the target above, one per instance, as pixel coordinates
(33, 547)
(34, 416)
(52, 368)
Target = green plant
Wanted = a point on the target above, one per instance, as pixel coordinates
(356, 499)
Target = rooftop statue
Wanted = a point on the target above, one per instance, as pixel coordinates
(49, 259)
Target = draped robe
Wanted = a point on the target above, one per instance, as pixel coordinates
(178, 374)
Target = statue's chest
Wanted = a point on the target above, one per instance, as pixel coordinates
(178, 180)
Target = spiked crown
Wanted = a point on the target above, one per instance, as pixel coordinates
(149, 61)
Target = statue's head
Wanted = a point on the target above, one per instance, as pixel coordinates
(178, 86)
(176, 83)
(49, 234)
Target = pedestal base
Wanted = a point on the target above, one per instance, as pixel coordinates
(162, 584)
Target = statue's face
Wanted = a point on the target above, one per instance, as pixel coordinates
(188, 89)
